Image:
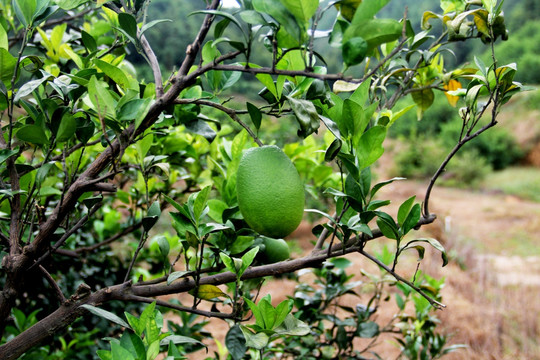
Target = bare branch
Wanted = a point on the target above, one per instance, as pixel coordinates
(432, 301)
(154, 64)
(57, 291)
(230, 112)
(146, 300)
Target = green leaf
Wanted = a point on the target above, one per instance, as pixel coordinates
(241, 243)
(128, 23)
(375, 32)
(433, 242)
(152, 24)
(367, 9)
(223, 14)
(33, 134)
(153, 350)
(367, 329)
(30, 86)
(293, 327)
(6, 154)
(114, 72)
(200, 127)
(67, 128)
(387, 226)
(24, 10)
(255, 115)
(7, 67)
(106, 315)
(102, 100)
(378, 186)
(282, 310)
(4, 44)
(252, 17)
(347, 8)
(133, 343)
(268, 313)
(303, 10)
(412, 219)
(256, 313)
(236, 342)
(333, 150)
(152, 216)
(306, 115)
(176, 275)
(256, 341)
(136, 110)
(208, 292)
(280, 13)
(119, 353)
(370, 146)
(69, 4)
(164, 246)
(404, 209)
(228, 262)
(247, 260)
(154, 209)
(135, 323)
(489, 5)
(178, 340)
(200, 202)
(423, 99)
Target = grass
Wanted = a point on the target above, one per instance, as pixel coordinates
(523, 182)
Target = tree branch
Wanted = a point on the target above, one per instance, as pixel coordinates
(230, 112)
(432, 301)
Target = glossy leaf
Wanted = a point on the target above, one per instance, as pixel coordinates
(375, 32)
(106, 315)
(306, 115)
(303, 10)
(370, 146)
(236, 342)
(255, 115)
(434, 243)
(256, 341)
(67, 128)
(7, 67)
(176, 275)
(404, 209)
(33, 134)
(179, 339)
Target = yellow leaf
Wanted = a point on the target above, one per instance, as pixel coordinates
(208, 292)
(452, 85)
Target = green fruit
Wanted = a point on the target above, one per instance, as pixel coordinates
(270, 191)
(275, 250)
(354, 51)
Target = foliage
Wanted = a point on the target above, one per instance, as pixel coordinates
(98, 165)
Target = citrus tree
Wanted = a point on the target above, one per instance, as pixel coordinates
(118, 189)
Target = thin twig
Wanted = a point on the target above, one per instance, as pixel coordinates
(209, 314)
(142, 241)
(67, 234)
(57, 291)
(432, 301)
(230, 112)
